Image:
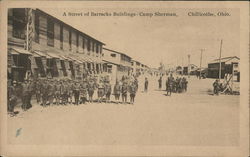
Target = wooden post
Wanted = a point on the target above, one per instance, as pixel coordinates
(220, 61)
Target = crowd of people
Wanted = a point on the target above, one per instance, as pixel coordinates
(173, 85)
(68, 91)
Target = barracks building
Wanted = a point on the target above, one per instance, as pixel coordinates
(44, 46)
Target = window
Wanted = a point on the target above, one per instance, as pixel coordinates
(50, 32)
(37, 27)
(19, 23)
(61, 36)
(77, 40)
(113, 55)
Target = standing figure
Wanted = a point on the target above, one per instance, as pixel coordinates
(51, 92)
(124, 92)
(38, 91)
(25, 95)
(146, 85)
(160, 82)
(44, 93)
(132, 91)
(216, 87)
(91, 89)
(57, 92)
(83, 92)
(70, 92)
(117, 91)
(12, 98)
(62, 93)
(77, 92)
(100, 92)
(108, 91)
(170, 85)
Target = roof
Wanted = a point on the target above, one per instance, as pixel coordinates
(116, 52)
(84, 34)
(225, 59)
(19, 50)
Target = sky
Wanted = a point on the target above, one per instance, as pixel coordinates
(156, 39)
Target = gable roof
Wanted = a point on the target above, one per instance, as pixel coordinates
(225, 59)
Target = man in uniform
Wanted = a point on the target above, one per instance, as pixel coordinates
(124, 92)
(146, 85)
(57, 92)
(100, 92)
(83, 91)
(25, 94)
(12, 97)
(107, 90)
(38, 90)
(44, 93)
(132, 91)
(91, 89)
(160, 82)
(216, 87)
(77, 92)
(117, 91)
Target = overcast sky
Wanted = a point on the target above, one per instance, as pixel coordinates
(160, 39)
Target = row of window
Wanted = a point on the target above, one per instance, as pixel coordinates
(19, 23)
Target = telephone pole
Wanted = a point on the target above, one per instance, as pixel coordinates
(188, 68)
(220, 60)
(201, 62)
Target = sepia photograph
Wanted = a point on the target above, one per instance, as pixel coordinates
(125, 74)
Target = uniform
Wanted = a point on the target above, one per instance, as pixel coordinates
(117, 91)
(146, 85)
(216, 87)
(76, 93)
(26, 95)
(132, 91)
(57, 92)
(12, 98)
(83, 92)
(108, 91)
(124, 92)
(100, 92)
(44, 93)
(91, 89)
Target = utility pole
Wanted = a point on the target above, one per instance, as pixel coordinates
(201, 62)
(188, 65)
(220, 60)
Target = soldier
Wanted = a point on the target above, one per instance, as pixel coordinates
(170, 85)
(38, 91)
(124, 92)
(184, 84)
(132, 91)
(107, 91)
(91, 89)
(57, 92)
(100, 92)
(77, 92)
(117, 91)
(160, 82)
(25, 94)
(44, 93)
(70, 91)
(51, 92)
(146, 85)
(12, 98)
(216, 87)
(83, 92)
(63, 91)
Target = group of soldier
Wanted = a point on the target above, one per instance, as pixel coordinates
(177, 85)
(64, 91)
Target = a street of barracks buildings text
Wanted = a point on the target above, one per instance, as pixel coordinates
(56, 49)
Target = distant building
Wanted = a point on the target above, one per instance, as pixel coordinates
(191, 69)
(116, 64)
(45, 46)
(228, 64)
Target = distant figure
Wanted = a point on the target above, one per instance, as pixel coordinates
(117, 91)
(124, 92)
(216, 87)
(132, 91)
(146, 85)
(160, 82)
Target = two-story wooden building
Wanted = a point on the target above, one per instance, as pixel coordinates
(44, 46)
(116, 64)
